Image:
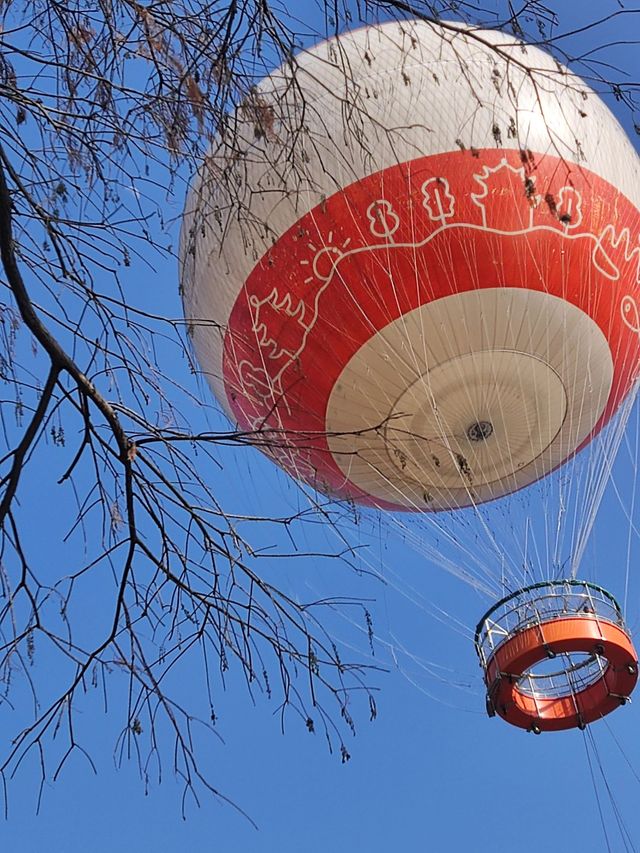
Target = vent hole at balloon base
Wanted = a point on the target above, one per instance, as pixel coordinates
(479, 431)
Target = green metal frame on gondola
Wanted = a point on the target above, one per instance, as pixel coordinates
(571, 582)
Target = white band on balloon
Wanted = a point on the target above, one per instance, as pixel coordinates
(474, 395)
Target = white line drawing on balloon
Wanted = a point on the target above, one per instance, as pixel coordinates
(610, 250)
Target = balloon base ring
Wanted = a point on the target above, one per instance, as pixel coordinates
(556, 655)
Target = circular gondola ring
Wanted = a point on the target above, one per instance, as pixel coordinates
(556, 656)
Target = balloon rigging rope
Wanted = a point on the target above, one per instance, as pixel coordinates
(631, 511)
(622, 827)
(598, 484)
(496, 548)
(444, 437)
(596, 791)
(448, 565)
(600, 459)
(622, 751)
(578, 486)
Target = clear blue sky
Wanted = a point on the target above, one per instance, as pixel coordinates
(432, 772)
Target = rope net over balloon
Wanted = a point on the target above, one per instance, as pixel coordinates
(414, 275)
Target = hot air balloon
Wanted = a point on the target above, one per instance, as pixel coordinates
(411, 267)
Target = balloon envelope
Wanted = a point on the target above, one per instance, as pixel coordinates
(415, 272)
